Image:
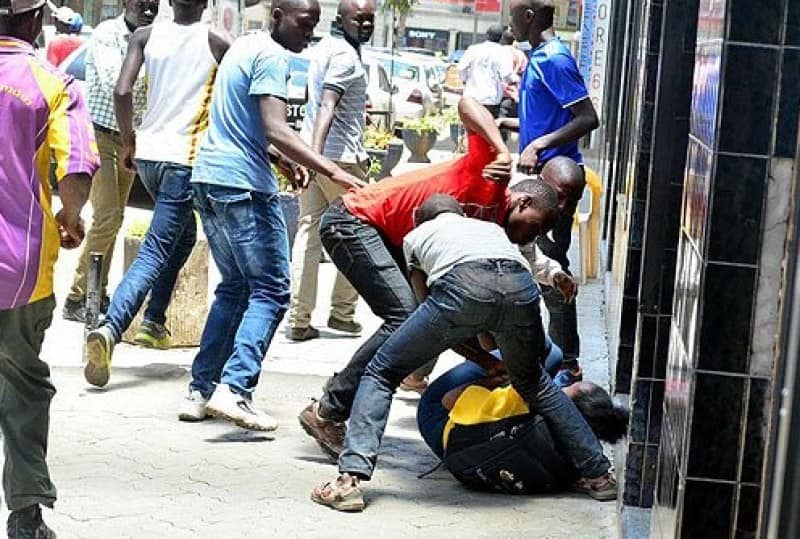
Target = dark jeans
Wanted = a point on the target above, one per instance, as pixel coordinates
(361, 254)
(247, 237)
(432, 416)
(25, 394)
(165, 249)
(563, 328)
(498, 296)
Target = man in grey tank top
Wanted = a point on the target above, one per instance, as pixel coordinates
(333, 127)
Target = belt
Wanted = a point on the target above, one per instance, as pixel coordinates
(105, 130)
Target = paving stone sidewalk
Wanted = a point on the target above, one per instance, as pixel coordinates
(125, 467)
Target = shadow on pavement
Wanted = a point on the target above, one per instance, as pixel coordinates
(240, 436)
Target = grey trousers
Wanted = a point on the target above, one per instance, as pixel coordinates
(25, 395)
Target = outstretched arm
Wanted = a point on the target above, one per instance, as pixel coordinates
(478, 120)
(123, 94)
(283, 137)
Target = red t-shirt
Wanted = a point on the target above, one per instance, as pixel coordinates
(389, 205)
(61, 47)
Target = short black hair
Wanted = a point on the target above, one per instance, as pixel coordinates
(608, 421)
(544, 197)
(494, 33)
(435, 205)
(507, 38)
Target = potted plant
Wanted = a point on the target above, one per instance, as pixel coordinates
(420, 135)
(384, 150)
(451, 118)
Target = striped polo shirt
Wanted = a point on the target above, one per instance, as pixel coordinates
(336, 65)
(43, 114)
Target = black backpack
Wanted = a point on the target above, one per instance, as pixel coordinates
(516, 455)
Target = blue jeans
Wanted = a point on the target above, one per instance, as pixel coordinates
(374, 269)
(247, 237)
(166, 246)
(432, 416)
(498, 296)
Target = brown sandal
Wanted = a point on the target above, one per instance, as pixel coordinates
(344, 494)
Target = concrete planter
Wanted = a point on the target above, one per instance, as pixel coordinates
(419, 143)
(388, 158)
(188, 310)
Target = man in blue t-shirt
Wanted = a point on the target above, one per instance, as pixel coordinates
(554, 113)
(236, 194)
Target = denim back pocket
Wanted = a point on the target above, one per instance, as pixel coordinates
(526, 312)
(234, 209)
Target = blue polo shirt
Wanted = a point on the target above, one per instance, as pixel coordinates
(234, 150)
(550, 85)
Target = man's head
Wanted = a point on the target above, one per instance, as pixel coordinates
(140, 12)
(568, 180)
(65, 20)
(191, 8)
(529, 18)
(533, 210)
(608, 421)
(507, 38)
(21, 19)
(356, 18)
(292, 22)
(494, 33)
(435, 205)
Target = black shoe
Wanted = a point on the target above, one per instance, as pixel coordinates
(304, 334)
(28, 524)
(74, 310)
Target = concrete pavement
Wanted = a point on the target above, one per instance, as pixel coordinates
(125, 467)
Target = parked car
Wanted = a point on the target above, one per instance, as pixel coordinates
(411, 78)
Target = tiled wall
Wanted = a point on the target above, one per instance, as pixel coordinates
(743, 131)
(660, 185)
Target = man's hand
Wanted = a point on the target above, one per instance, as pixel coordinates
(127, 154)
(566, 285)
(347, 181)
(70, 229)
(529, 158)
(500, 169)
(298, 176)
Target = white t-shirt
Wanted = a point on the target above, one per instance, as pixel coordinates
(483, 69)
(438, 245)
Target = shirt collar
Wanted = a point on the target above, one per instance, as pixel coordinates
(10, 44)
(338, 32)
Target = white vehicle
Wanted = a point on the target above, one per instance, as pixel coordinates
(411, 81)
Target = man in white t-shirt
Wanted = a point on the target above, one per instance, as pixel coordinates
(486, 68)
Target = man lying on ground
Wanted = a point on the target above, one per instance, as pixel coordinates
(491, 440)
(478, 283)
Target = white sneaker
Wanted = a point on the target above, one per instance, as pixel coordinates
(225, 403)
(193, 407)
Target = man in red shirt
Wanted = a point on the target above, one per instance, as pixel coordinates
(363, 233)
(68, 28)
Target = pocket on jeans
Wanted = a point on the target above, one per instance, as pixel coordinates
(340, 255)
(526, 312)
(237, 215)
(175, 183)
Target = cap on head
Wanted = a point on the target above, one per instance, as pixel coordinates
(494, 33)
(18, 7)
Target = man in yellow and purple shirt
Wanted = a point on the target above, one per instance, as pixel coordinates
(43, 115)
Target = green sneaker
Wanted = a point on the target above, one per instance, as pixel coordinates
(152, 335)
(98, 347)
